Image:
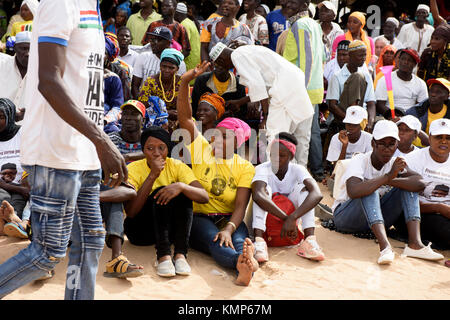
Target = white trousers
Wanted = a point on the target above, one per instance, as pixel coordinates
(297, 196)
(278, 121)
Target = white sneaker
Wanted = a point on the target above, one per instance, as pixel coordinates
(165, 268)
(261, 252)
(386, 256)
(182, 267)
(425, 253)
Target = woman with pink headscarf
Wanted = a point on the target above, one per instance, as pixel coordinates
(218, 228)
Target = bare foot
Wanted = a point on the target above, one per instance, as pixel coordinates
(245, 268)
(248, 252)
(8, 213)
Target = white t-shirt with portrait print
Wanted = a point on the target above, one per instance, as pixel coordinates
(295, 174)
(360, 166)
(10, 153)
(436, 175)
(48, 140)
(363, 145)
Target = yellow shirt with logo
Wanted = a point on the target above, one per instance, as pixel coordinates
(174, 171)
(431, 117)
(219, 177)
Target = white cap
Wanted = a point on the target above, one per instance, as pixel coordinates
(181, 8)
(355, 115)
(266, 8)
(394, 21)
(216, 50)
(423, 7)
(32, 5)
(23, 37)
(384, 129)
(329, 5)
(440, 126)
(412, 122)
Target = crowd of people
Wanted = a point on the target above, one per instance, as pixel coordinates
(201, 115)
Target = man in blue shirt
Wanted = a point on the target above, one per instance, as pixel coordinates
(277, 21)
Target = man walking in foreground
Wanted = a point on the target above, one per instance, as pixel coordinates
(63, 147)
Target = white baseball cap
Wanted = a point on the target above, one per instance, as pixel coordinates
(355, 115)
(385, 129)
(440, 126)
(329, 5)
(412, 122)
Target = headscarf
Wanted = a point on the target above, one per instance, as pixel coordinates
(289, 145)
(32, 5)
(158, 133)
(111, 46)
(443, 32)
(348, 35)
(380, 60)
(11, 128)
(215, 101)
(172, 55)
(241, 129)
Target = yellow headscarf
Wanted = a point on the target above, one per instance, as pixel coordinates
(348, 35)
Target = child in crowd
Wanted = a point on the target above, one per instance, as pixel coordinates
(409, 128)
(377, 189)
(280, 175)
(353, 139)
(433, 163)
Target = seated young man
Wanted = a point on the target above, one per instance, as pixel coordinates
(162, 209)
(433, 163)
(293, 180)
(409, 128)
(376, 189)
(353, 139)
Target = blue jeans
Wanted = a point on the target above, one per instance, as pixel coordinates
(203, 232)
(64, 205)
(359, 215)
(315, 145)
(112, 214)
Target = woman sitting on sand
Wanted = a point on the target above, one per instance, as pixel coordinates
(218, 228)
(279, 175)
(377, 190)
(433, 163)
(162, 209)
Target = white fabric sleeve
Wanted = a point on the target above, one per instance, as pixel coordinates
(261, 174)
(381, 91)
(138, 70)
(334, 149)
(56, 21)
(422, 90)
(250, 75)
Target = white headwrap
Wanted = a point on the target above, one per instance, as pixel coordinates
(424, 7)
(216, 51)
(394, 21)
(32, 5)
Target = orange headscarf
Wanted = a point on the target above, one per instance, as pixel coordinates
(215, 101)
(380, 63)
(348, 35)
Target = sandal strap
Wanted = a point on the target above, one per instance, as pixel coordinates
(118, 265)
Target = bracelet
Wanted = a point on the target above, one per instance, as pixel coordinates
(233, 225)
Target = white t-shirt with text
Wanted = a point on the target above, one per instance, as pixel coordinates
(435, 174)
(49, 140)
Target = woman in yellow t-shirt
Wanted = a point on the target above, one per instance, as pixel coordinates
(165, 188)
(217, 227)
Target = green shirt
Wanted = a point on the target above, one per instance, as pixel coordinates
(194, 38)
(138, 26)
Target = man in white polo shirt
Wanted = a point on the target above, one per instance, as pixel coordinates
(13, 70)
(64, 147)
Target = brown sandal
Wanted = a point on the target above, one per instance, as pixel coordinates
(118, 268)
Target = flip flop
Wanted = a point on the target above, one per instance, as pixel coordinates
(13, 229)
